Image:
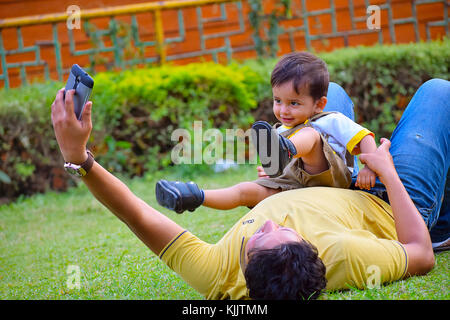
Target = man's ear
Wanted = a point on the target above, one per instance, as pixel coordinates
(321, 103)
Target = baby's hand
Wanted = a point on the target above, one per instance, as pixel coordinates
(261, 173)
(366, 178)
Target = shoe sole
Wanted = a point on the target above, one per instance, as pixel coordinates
(443, 246)
(257, 127)
(441, 249)
(168, 197)
(261, 125)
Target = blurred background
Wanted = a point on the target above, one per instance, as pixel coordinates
(40, 44)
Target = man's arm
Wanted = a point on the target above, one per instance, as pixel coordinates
(411, 229)
(152, 227)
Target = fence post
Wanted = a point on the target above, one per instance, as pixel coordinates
(159, 37)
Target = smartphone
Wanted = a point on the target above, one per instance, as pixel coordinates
(83, 83)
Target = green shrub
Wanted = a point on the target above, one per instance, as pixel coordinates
(135, 111)
(29, 161)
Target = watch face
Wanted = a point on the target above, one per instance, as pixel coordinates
(72, 169)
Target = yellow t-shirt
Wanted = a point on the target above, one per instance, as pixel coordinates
(353, 231)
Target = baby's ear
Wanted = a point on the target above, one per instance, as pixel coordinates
(321, 103)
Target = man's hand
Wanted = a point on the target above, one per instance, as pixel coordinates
(71, 134)
(366, 178)
(261, 173)
(380, 161)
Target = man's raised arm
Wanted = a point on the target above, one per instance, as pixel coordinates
(411, 229)
(152, 227)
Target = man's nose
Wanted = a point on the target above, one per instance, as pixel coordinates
(269, 226)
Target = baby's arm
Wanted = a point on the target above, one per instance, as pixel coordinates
(366, 177)
(367, 144)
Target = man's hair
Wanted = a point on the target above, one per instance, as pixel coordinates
(290, 271)
(305, 70)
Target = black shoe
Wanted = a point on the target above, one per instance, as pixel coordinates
(273, 167)
(441, 246)
(179, 196)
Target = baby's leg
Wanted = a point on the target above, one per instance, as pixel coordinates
(309, 147)
(246, 194)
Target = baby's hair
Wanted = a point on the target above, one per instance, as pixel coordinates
(305, 70)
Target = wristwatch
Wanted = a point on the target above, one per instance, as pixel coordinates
(80, 170)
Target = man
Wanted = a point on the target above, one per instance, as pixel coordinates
(323, 235)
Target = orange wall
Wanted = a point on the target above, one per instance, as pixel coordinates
(319, 25)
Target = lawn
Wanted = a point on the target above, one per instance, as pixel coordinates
(44, 236)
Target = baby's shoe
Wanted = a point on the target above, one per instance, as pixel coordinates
(179, 196)
(285, 153)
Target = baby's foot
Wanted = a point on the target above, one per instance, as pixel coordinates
(179, 196)
(286, 149)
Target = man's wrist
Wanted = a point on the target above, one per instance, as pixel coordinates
(390, 179)
(80, 170)
(77, 158)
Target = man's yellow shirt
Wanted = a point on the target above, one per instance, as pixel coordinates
(354, 233)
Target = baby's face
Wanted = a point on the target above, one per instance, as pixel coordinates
(292, 108)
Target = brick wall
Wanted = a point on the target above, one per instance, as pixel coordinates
(402, 21)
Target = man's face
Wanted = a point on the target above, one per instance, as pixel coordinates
(292, 108)
(269, 236)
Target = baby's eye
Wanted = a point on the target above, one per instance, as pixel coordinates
(277, 100)
(295, 103)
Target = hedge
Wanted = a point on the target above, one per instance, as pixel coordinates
(135, 111)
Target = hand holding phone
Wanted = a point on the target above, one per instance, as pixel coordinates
(82, 83)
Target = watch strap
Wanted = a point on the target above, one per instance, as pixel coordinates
(87, 165)
(82, 169)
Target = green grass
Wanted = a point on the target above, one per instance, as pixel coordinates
(42, 235)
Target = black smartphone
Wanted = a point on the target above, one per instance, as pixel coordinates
(83, 83)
